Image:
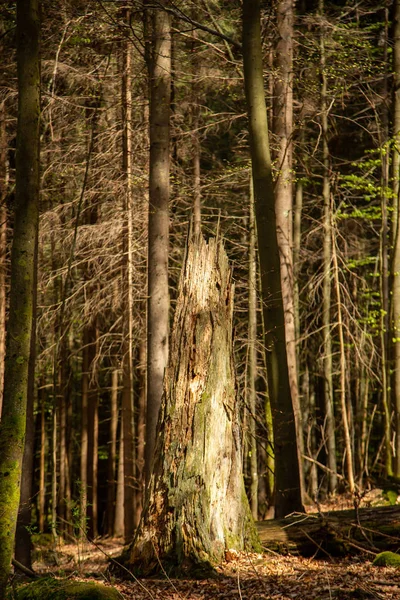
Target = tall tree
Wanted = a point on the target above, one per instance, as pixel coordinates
(329, 433)
(12, 428)
(127, 360)
(396, 233)
(283, 130)
(158, 302)
(287, 474)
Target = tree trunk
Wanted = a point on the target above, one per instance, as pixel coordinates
(3, 242)
(158, 294)
(335, 533)
(252, 360)
(12, 427)
(283, 130)
(197, 507)
(384, 256)
(287, 474)
(395, 329)
(23, 540)
(329, 429)
(42, 464)
(112, 454)
(127, 360)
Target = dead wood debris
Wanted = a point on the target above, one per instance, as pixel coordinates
(243, 577)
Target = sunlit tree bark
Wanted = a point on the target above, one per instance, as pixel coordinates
(158, 302)
(287, 474)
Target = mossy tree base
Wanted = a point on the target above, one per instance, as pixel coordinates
(197, 508)
(335, 533)
(56, 589)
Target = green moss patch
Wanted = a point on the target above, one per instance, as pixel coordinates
(387, 559)
(56, 589)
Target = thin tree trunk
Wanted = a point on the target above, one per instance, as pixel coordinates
(283, 130)
(42, 463)
(141, 432)
(395, 329)
(23, 539)
(197, 508)
(119, 527)
(158, 302)
(18, 341)
(84, 434)
(4, 175)
(344, 400)
(330, 439)
(127, 362)
(112, 454)
(252, 345)
(287, 472)
(384, 259)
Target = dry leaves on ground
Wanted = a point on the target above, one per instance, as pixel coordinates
(242, 577)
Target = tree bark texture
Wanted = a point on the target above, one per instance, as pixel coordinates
(197, 507)
(287, 474)
(12, 428)
(336, 533)
(158, 302)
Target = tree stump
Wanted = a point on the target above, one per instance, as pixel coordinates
(196, 507)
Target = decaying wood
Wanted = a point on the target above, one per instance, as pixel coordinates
(334, 533)
(197, 508)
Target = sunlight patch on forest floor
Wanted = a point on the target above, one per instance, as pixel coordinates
(243, 576)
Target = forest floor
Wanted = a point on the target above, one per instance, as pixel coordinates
(245, 576)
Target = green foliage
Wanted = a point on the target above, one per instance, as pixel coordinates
(391, 496)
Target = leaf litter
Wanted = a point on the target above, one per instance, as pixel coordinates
(244, 576)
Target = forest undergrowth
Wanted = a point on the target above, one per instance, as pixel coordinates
(245, 576)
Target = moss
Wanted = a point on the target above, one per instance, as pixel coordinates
(387, 559)
(55, 589)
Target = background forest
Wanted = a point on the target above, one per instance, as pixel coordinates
(127, 123)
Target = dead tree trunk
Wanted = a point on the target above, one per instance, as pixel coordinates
(336, 533)
(197, 508)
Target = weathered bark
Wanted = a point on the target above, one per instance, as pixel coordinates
(12, 426)
(287, 474)
(197, 507)
(158, 294)
(338, 532)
